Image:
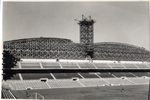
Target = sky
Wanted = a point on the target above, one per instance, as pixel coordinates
(124, 22)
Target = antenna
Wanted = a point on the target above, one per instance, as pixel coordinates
(86, 34)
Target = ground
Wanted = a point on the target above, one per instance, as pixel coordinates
(129, 92)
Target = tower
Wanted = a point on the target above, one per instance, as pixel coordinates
(86, 30)
(86, 35)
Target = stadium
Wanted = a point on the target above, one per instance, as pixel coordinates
(53, 63)
(58, 68)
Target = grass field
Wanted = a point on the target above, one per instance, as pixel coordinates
(130, 92)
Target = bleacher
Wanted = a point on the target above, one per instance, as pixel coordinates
(70, 83)
(66, 75)
(93, 82)
(23, 85)
(51, 65)
(6, 94)
(139, 80)
(122, 74)
(79, 65)
(129, 66)
(105, 75)
(142, 66)
(86, 65)
(119, 51)
(69, 65)
(35, 76)
(119, 81)
(140, 74)
(63, 83)
(30, 65)
(102, 65)
(89, 75)
(116, 66)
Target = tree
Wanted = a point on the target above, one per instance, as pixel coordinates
(9, 61)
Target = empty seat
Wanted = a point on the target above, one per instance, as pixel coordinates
(140, 74)
(116, 66)
(23, 85)
(139, 80)
(30, 65)
(69, 65)
(119, 81)
(63, 83)
(93, 82)
(105, 75)
(141, 66)
(121, 74)
(129, 66)
(35, 76)
(102, 65)
(51, 65)
(66, 75)
(89, 75)
(86, 65)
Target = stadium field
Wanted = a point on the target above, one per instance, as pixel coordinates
(128, 92)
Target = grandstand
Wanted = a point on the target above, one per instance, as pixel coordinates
(50, 63)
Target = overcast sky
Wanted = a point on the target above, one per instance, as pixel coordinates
(125, 22)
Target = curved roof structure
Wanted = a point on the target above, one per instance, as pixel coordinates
(52, 48)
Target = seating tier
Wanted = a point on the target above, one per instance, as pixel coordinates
(86, 65)
(102, 65)
(93, 82)
(66, 75)
(35, 76)
(105, 75)
(30, 65)
(119, 81)
(69, 65)
(129, 66)
(140, 74)
(63, 83)
(116, 66)
(89, 75)
(51, 65)
(122, 74)
(23, 85)
(139, 80)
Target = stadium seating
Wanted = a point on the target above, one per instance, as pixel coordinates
(52, 48)
(6, 94)
(89, 75)
(142, 66)
(30, 65)
(23, 85)
(129, 66)
(93, 82)
(116, 66)
(119, 81)
(69, 65)
(139, 80)
(86, 65)
(122, 74)
(35, 76)
(66, 75)
(63, 84)
(119, 52)
(102, 65)
(105, 75)
(140, 74)
(51, 65)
